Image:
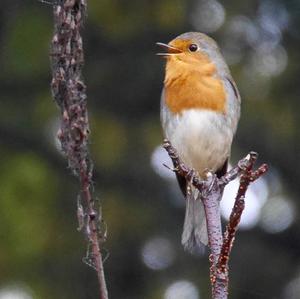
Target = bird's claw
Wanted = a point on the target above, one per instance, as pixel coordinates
(213, 179)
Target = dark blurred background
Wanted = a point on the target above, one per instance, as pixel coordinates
(41, 250)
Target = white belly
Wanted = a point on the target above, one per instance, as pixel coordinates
(202, 138)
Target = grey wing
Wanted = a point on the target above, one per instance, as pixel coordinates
(234, 102)
(165, 117)
(163, 110)
(234, 88)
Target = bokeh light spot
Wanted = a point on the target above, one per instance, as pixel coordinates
(182, 289)
(270, 62)
(256, 196)
(277, 215)
(292, 290)
(273, 12)
(208, 16)
(158, 159)
(158, 253)
(14, 293)
(240, 33)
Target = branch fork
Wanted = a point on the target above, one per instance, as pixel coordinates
(211, 191)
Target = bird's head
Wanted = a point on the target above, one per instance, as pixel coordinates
(192, 48)
(193, 73)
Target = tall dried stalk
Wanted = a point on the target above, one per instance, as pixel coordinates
(69, 92)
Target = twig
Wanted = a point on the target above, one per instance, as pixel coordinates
(248, 176)
(180, 167)
(69, 92)
(211, 191)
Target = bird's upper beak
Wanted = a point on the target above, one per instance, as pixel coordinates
(170, 50)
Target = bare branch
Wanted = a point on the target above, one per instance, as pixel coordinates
(248, 176)
(180, 167)
(211, 191)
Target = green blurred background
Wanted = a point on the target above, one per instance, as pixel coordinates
(41, 250)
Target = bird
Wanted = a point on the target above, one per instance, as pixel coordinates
(200, 111)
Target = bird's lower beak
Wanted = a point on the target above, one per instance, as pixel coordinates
(170, 50)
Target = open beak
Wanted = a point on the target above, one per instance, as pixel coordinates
(170, 50)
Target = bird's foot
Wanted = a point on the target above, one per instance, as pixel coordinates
(210, 183)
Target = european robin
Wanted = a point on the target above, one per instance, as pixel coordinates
(200, 109)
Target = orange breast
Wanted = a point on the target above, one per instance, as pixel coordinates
(193, 87)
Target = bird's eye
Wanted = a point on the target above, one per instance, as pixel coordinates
(193, 47)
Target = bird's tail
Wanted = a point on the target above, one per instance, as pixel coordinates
(194, 237)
